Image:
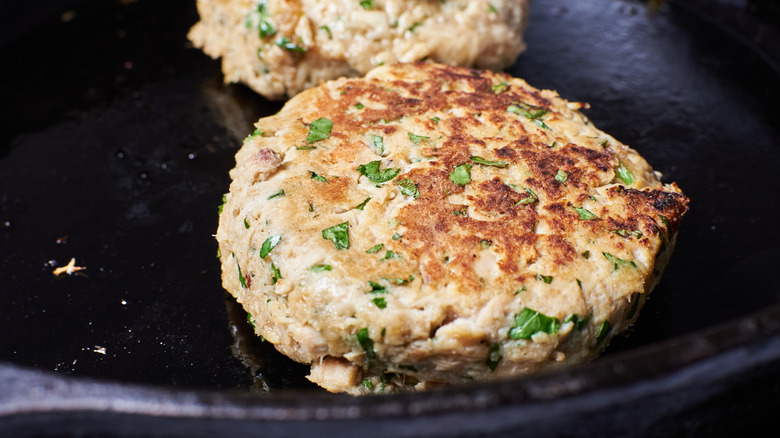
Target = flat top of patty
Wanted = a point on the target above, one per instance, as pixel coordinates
(429, 205)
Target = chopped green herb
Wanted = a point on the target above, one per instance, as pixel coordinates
(500, 87)
(377, 144)
(268, 245)
(359, 106)
(396, 236)
(287, 44)
(579, 283)
(257, 133)
(494, 356)
(664, 219)
(275, 274)
(246, 224)
(327, 30)
(522, 289)
(366, 343)
(249, 320)
(545, 278)
(338, 234)
(484, 162)
(375, 248)
(222, 205)
(461, 175)
(530, 199)
(531, 113)
(435, 119)
(586, 254)
(618, 262)
(367, 383)
(319, 130)
(264, 27)
(492, 9)
(623, 173)
(408, 188)
(416, 139)
(414, 26)
(626, 233)
(320, 268)
(376, 288)
(529, 322)
(561, 176)
(241, 277)
(317, 177)
(585, 215)
(579, 324)
(362, 204)
(485, 243)
(277, 194)
(380, 302)
(603, 330)
(305, 148)
(389, 255)
(400, 280)
(367, 4)
(372, 171)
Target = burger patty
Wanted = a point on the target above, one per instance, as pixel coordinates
(430, 224)
(280, 47)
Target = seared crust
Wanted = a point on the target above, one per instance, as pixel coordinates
(506, 198)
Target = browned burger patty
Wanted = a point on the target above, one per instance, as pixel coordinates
(431, 225)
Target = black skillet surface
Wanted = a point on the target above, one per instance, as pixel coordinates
(115, 143)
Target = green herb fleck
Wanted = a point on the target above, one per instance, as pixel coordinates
(522, 289)
(268, 245)
(408, 188)
(287, 44)
(319, 130)
(376, 288)
(366, 343)
(317, 177)
(367, 4)
(414, 26)
(494, 356)
(528, 200)
(249, 320)
(626, 233)
(531, 113)
(320, 268)
(359, 106)
(338, 234)
(275, 274)
(416, 139)
(372, 171)
(603, 330)
(624, 174)
(435, 119)
(362, 204)
(561, 176)
(545, 278)
(246, 224)
(586, 254)
(389, 255)
(377, 144)
(305, 148)
(461, 175)
(396, 236)
(241, 277)
(618, 262)
(484, 162)
(579, 324)
(222, 205)
(380, 302)
(585, 215)
(265, 28)
(529, 322)
(500, 87)
(367, 383)
(277, 194)
(375, 248)
(257, 133)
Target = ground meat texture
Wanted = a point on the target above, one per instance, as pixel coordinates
(280, 47)
(428, 225)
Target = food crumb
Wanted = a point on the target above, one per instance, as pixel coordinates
(69, 269)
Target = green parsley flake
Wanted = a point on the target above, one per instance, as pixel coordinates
(623, 173)
(264, 27)
(257, 133)
(319, 130)
(287, 44)
(494, 356)
(246, 224)
(362, 204)
(484, 162)
(372, 172)
(579, 324)
(416, 139)
(377, 144)
(268, 245)
(320, 268)
(528, 200)
(275, 274)
(461, 175)
(222, 205)
(277, 194)
(627, 234)
(531, 113)
(530, 322)
(376, 288)
(603, 331)
(389, 255)
(338, 234)
(618, 262)
(317, 177)
(408, 188)
(585, 214)
(367, 4)
(561, 176)
(241, 277)
(499, 88)
(366, 343)
(375, 249)
(380, 302)
(359, 106)
(545, 278)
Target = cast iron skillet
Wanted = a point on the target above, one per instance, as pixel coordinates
(115, 143)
